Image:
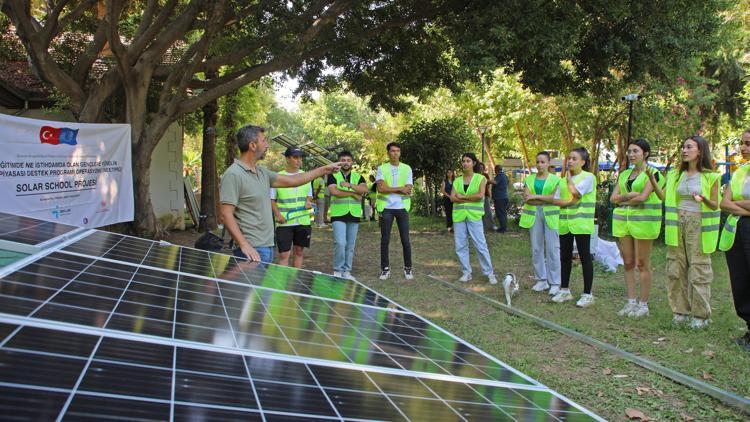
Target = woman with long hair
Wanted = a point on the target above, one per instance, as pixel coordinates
(691, 231)
(468, 208)
(577, 207)
(541, 216)
(445, 188)
(735, 237)
(636, 222)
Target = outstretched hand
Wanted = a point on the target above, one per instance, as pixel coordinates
(332, 168)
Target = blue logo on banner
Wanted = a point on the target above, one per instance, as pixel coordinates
(68, 136)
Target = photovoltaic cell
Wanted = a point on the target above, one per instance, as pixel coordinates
(100, 381)
(30, 231)
(95, 293)
(146, 253)
(116, 327)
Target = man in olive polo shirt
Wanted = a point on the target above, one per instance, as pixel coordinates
(245, 202)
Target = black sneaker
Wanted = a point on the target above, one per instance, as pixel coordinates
(744, 341)
(385, 273)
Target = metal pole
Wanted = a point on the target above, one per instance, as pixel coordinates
(483, 144)
(630, 119)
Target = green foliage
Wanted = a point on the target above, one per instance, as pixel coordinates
(432, 147)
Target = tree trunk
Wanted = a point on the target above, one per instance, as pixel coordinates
(229, 123)
(145, 220)
(208, 167)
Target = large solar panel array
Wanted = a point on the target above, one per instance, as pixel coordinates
(109, 326)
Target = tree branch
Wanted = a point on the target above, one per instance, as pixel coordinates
(82, 67)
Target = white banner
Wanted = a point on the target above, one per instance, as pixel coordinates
(73, 173)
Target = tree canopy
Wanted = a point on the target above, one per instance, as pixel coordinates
(149, 62)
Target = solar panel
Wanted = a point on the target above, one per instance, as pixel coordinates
(172, 258)
(58, 373)
(111, 326)
(30, 231)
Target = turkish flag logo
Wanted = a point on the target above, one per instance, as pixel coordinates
(49, 135)
(56, 136)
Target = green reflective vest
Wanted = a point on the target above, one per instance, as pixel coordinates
(472, 211)
(710, 219)
(403, 173)
(346, 204)
(551, 212)
(578, 218)
(642, 221)
(730, 226)
(291, 204)
(319, 186)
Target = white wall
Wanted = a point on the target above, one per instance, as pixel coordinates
(167, 192)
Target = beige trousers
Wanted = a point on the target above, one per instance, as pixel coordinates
(689, 270)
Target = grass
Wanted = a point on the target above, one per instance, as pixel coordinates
(599, 380)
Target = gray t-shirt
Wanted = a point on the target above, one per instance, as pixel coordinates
(248, 191)
(688, 186)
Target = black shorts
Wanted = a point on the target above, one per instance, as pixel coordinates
(293, 235)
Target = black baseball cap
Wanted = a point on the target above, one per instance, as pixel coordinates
(294, 151)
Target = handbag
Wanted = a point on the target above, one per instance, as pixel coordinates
(209, 242)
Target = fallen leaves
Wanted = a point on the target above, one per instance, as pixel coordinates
(706, 376)
(686, 417)
(690, 350)
(709, 354)
(635, 414)
(607, 371)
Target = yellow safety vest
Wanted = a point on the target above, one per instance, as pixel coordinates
(710, 219)
(578, 218)
(551, 212)
(291, 204)
(403, 173)
(641, 221)
(345, 204)
(472, 211)
(730, 226)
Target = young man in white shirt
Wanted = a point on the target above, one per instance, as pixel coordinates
(394, 187)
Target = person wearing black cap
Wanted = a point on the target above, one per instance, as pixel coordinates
(292, 208)
(245, 202)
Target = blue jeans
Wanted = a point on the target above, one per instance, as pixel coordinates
(463, 230)
(344, 238)
(265, 252)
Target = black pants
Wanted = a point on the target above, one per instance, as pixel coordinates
(386, 223)
(738, 261)
(583, 242)
(448, 207)
(501, 210)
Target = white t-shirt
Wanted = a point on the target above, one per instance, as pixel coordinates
(584, 186)
(294, 222)
(394, 201)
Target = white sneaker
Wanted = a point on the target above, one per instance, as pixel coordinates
(492, 279)
(627, 309)
(553, 290)
(680, 319)
(585, 300)
(698, 323)
(465, 277)
(540, 286)
(563, 296)
(641, 310)
(347, 275)
(385, 274)
(408, 274)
